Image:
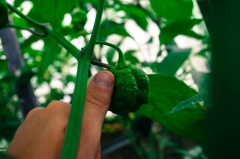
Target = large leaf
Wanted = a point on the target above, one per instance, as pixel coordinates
(190, 102)
(53, 10)
(136, 14)
(171, 30)
(165, 93)
(173, 9)
(173, 62)
(110, 27)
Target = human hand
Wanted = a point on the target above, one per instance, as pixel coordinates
(42, 133)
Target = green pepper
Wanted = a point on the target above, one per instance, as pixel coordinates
(131, 88)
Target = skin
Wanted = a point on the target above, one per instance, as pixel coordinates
(42, 133)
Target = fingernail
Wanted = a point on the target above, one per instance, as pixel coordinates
(104, 79)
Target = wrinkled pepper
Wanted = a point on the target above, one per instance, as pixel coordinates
(131, 88)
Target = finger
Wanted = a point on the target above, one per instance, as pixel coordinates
(98, 154)
(98, 99)
(34, 111)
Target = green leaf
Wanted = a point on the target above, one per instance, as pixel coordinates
(130, 58)
(3, 65)
(17, 3)
(4, 156)
(171, 30)
(201, 79)
(165, 93)
(50, 53)
(53, 10)
(190, 102)
(3, 15)
(110, 27)
(193, 34)
(173, 62)
(25, 77)
(136, 14)
(173, 9)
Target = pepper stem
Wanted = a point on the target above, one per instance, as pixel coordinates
(121, 61)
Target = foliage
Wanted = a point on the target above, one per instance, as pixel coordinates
(54, 69)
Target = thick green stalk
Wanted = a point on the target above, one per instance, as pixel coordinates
(90, 45)
(224, 117)
(74, 128)
(73, 132)
(121, 61)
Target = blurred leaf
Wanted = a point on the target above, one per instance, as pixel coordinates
(110, 27)
(201, 79)
(50, 53)
(136, 14)
(109, 56)
(165, 93)
(20, 21)
(17, 3)
(171, 30)
(4, 14)
(9, 119)
(173, 9)
(3, 65)
(192, 34)
(8, 79)
(4, 156)
(173, 62)
(29, 41)
(190, 102)
(53, 10)
(129, 57)
(159, 53)
(56, 94)
(25, 77)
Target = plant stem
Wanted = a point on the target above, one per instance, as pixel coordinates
(63, 42)
(90, 45)
(121, 61)
(46, 28)
(74, 128)
(30, 30)
(33, 22)
(97, 63)
(73, 133)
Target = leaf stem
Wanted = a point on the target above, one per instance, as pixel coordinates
(90, 45)
(121, 60)
(28, 19)
(49, 30)
(63, 42)
(98, 63)
(30, 30)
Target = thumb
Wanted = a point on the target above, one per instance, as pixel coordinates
(98, 99)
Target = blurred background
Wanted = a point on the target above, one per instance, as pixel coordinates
(158, 36)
